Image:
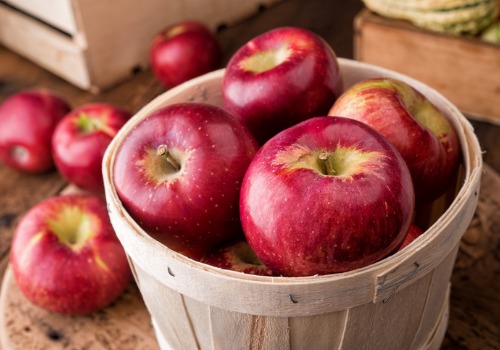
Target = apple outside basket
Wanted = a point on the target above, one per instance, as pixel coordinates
(398, 303)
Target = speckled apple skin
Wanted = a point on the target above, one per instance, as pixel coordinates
(58, 278)
(197, 208)
(304, 85)
(301, 223)
(422, 134)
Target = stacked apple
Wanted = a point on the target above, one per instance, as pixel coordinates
(280, 78)
(293, 177)
(179, 172)
(422, 134)
(333, 187)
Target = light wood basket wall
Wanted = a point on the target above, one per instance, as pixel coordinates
(400, 302)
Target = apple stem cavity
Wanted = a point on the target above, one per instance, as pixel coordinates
(341, 162)
(346, 162)
(328, 164)
(72, 227)
(163, 152)
(266, 60)
(87, 124)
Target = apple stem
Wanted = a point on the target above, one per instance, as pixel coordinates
(326, 164)
(162, 151)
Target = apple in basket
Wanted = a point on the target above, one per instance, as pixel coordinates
(280, 78)
(27, 122)
(183, 51)
(324, 196)
(66, 257)
(413, 233)
(237, 256)
(422, 133)
(80, 140)
(178, 174)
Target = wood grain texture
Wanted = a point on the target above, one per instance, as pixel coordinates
(465, 69)
(77, 40)
(475, 298)
(125, 324)
(57, 13)
(475, 301)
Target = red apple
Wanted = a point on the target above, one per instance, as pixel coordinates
(324, 196)
(237, 256)
(183, 51)
(27, 121)
(178, 174)
(66, 257)
(80, 140)
(422, 133)
(280, 78)
(413, 233)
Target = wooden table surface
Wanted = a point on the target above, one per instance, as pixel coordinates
(475, 302)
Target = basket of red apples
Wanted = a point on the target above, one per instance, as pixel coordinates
(294, 200)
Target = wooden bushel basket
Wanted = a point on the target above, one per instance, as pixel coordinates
(398, 303)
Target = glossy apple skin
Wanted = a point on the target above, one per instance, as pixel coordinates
(183, 51)
(196, 208)
(27, 121)
(237, 256)
(302, 222)
(422, 134)
(80, 140)
(302, 85)
(65, 279)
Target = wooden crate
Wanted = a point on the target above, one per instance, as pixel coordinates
(397, 303)
(465, 69)
(93, 43)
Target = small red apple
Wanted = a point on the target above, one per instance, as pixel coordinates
(326, 195)
(422, 133)
(183, 51)
(178, 174)
(280, 78)
(66, 257)
(80, 140)
(27, 121)
(237, 256)
(413, 233)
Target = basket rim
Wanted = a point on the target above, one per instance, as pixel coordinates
(390, 274)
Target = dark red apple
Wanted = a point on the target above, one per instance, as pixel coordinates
(324, 196)
(183, 51)
(237, 256)
(66, 257)
(27, 121)
(413, 233)
(280, 78)
(178, 173)
(80, 140)
(422, 133)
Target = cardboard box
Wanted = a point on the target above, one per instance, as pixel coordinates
(464, 69)
(94, 43)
